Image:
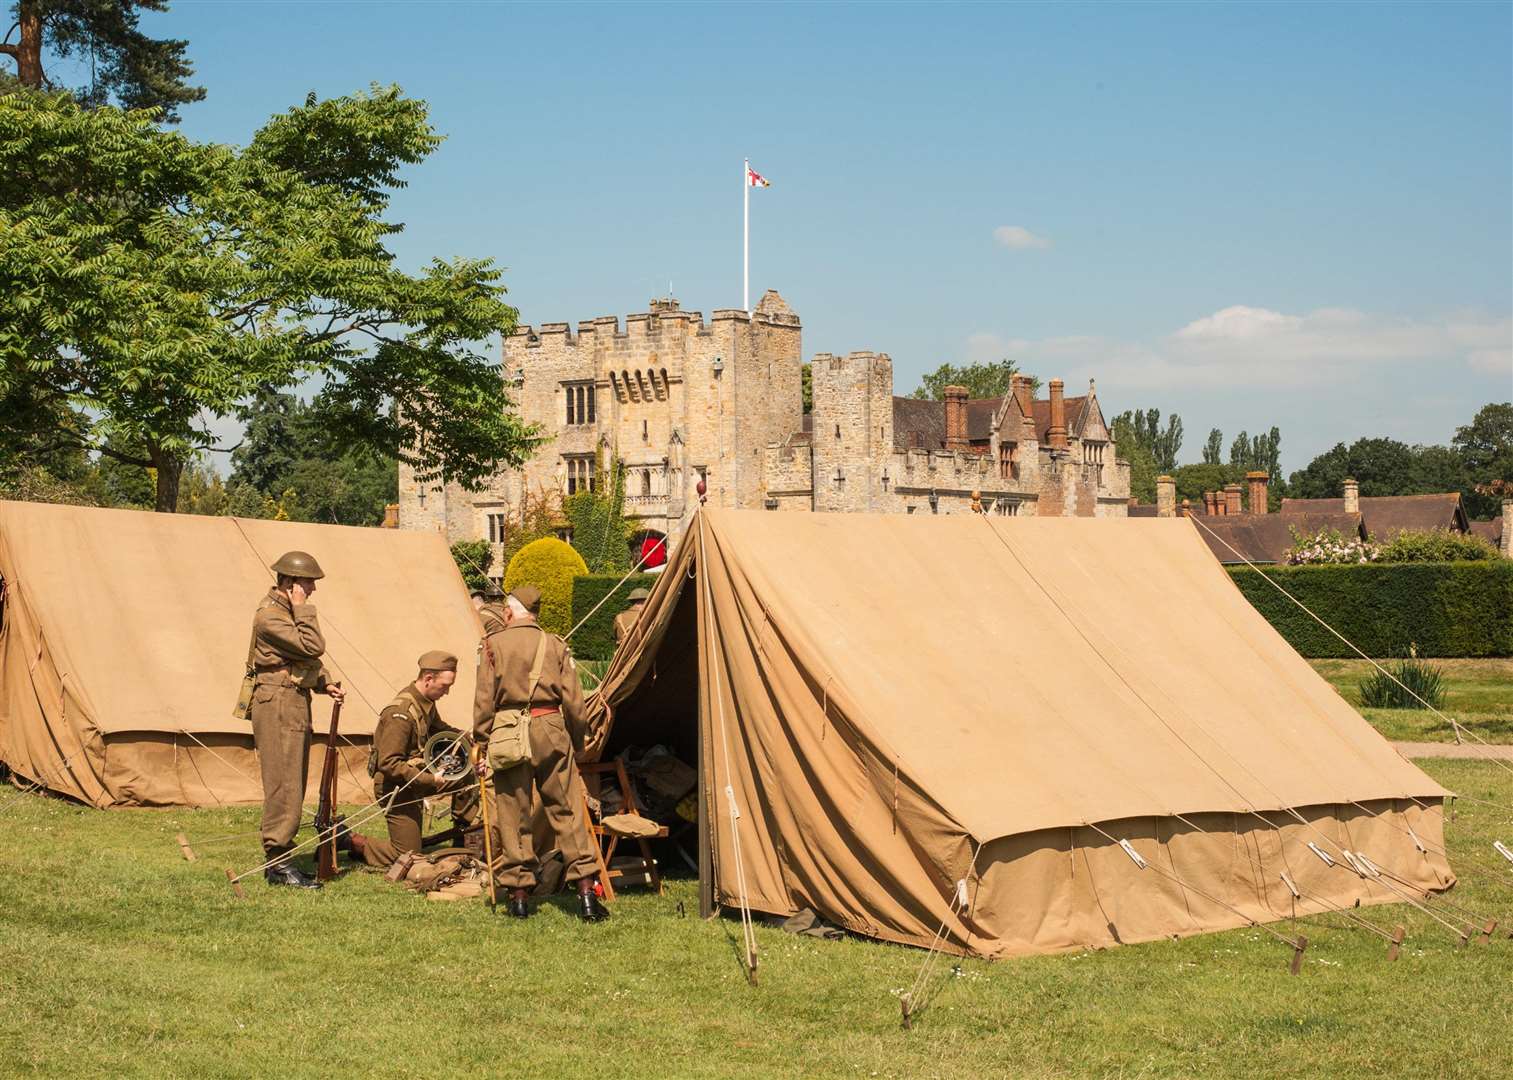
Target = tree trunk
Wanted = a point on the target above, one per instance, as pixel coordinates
(29, 49)
(169, 469)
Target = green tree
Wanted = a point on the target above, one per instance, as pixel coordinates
(806, 386)
(1213, 447)
(154, 283)
(1143, 428)
(1485, 446)
(473, 559)
(1134, 449)
(1193, 480)
(981, 380)
(1380, 466)
(127, 66)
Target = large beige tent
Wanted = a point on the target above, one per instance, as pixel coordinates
(123, 637)
(895, 705)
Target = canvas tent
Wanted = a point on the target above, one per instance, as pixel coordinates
(896, 704)
(123, 637)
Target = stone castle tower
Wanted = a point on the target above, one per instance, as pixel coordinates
(677, 400)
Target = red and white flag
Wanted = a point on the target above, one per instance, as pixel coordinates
(756, 179)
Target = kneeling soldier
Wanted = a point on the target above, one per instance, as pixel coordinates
(399, 774)
(528, 686)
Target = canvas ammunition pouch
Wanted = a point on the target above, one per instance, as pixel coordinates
(249, 680)
(510, 737)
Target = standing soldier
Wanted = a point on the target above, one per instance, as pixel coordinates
(399, 774)
(627, 619)
(528, 687)
(491, 611)
(285, 661)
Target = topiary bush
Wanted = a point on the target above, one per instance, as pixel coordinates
(550, 565)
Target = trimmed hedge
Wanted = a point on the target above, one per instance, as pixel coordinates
(595, 639)
(550, 565)
(1442, 609)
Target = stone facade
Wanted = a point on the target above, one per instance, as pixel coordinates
(677, 399)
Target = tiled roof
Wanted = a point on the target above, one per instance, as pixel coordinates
(1490, 530)
(1074, 410)
(1388, 514)
(1266, 538)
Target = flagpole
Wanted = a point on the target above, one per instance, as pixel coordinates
(746, 236)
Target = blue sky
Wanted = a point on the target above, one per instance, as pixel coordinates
(1252, 215)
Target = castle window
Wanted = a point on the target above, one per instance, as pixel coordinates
(645, 431)
(580, 473)
(496, 527)
(645, 481)
(1008, 461)
(580, 402)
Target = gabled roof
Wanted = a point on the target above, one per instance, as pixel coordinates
(1076, 409)
(1266, 538)
(1490, 530)
(1386, 515)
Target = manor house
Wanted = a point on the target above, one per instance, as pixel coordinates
(678, 400)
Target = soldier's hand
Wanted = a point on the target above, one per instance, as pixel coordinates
(297, 594)
(482, 769)
(335, 691)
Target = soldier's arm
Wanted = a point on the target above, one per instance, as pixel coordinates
(296, 636)
(483, 695)
(392, 743)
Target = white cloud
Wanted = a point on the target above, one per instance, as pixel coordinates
(1018, 238)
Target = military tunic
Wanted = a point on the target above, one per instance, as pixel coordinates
(493, 617)
(400, 776)
(287, 646)
(626, 621)
(504, 666)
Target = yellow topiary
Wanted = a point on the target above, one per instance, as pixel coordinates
(550, 565)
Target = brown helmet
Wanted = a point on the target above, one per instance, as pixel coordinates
(298, 564)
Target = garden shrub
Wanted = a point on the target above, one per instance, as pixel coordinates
(550, 565)
(595, 639)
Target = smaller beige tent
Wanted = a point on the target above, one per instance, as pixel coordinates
(909, 712)
(123, 637)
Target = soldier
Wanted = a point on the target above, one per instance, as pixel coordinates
(552, 705)
(491, 610)
(399, 774)
(627, 619)
(285, 659)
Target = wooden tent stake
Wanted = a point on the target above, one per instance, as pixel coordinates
(188, 852)
(1398, 932)
(236, 886)
(903, 1004)
(1297, 954)
(1486, 931)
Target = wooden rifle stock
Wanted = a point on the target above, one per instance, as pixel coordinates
(325, 811)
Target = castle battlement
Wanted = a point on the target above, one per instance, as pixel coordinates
(664, 318)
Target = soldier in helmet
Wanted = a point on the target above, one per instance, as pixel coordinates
(525, 673)
(627, 619)
(286, 662)
(400, 778)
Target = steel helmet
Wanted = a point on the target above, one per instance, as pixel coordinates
(298, 564)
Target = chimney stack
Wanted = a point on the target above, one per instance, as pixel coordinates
(1507, 529)
(1211, 504)
(1166, 497)
(391, 516)
(1258, 481)
(1232, 499)
(1056, 434)
(1352, 497)
(1187, 508)
(1022, 394)
(956, 418)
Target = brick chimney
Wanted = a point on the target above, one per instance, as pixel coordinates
(391, 516)
(1055, 435)
(1507, 529)
(1210, 504)
(1257, 481)
(1232, 499)
(1166, 497)
(1021, 387)
(956, 418)
(1352, 497)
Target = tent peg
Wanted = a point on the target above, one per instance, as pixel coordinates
(1398, 933)
(1486, 931)
(905, 1005)
(236, 886)
(1465, 936)
(1297, 954)
(184, 848)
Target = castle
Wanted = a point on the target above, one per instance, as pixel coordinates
(678, 400)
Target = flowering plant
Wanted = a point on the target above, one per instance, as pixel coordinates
(1329, 546)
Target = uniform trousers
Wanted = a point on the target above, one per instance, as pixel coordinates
(280, 714)
(551, 772)
(405, 817)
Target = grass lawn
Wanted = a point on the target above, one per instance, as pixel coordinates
(1479, 694)
(120, 959)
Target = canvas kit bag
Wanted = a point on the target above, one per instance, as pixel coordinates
(510, 738)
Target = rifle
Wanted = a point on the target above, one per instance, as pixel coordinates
(325, 811)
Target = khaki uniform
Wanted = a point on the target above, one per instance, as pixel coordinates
(494, 618)
(400, 777)
(286, 649)
(504, 667)
(626, 621)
